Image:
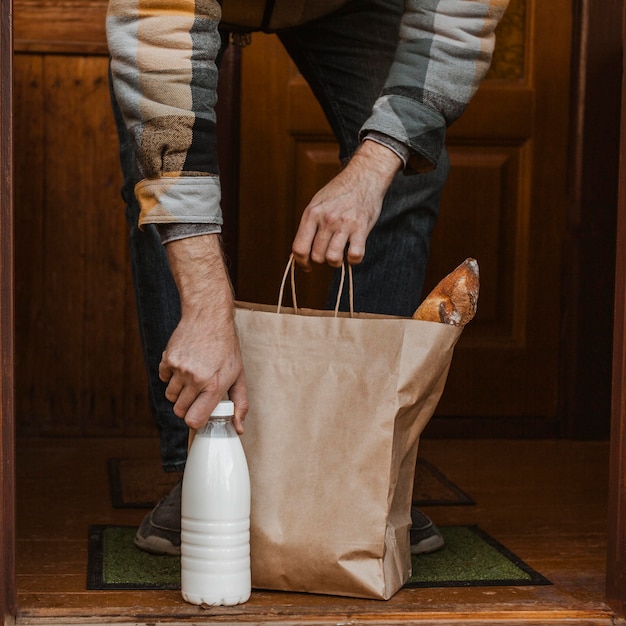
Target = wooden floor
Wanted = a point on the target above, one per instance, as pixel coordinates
(546, 501)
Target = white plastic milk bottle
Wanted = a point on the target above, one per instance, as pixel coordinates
(215, 524)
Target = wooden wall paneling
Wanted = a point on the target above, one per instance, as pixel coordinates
(7, 379)
(616, 562)
(486, 224)
(55, 26)
(62, 342)
(551, 79)
(29, 193)
(93, 190)
(79, 358)
(80, 361)
(110, 374)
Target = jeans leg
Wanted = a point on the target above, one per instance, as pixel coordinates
(158, 306)
(345, 59)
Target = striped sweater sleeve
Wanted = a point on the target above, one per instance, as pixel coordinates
(444, 52)
(165, 80)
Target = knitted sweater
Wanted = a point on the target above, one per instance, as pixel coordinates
(165, 80)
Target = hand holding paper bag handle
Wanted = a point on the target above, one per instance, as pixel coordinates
(343, 213)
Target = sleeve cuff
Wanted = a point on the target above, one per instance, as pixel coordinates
(173, 232)
(400, 149)
(414, 125)
(179, 199)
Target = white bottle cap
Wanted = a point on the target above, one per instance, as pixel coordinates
(226, 408)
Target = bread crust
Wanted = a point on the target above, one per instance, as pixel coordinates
(455, 299)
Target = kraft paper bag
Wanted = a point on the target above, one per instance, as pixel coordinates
(337, 406)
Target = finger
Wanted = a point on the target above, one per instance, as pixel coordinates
(303, 241)
(238, 393)
(319, 249)
(199, 411)
(184, 400)
(173, 389)
(356, 249)
(336, 250)
(165, 372)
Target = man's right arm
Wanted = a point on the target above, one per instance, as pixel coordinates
(165, 81)
(202, 360)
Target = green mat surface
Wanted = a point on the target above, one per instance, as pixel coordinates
(470, 558)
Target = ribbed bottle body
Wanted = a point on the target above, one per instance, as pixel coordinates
(215, 524)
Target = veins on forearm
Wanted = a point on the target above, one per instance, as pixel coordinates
(199, 270)
(377, 159)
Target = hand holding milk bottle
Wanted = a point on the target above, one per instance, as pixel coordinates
(215, 523)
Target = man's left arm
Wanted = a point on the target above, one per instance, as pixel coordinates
(444, 52)
(443, 55)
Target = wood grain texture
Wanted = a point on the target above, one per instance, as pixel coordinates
(547, 504)
(80, 364)
(60, 26)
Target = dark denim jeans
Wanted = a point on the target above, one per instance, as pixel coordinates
(345, 58)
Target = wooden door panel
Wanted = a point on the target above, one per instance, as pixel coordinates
(503, 204)
(79, 361)
(481, 218)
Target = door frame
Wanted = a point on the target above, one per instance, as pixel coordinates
(616, 553)
(7, 423)
(616, 563)
(588, 268)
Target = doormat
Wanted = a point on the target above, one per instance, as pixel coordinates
(141, 483)
(433, 488)
(470, 558)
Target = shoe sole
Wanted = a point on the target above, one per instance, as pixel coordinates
(428, 545)
(156, 545)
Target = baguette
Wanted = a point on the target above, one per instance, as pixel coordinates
(455, 299)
